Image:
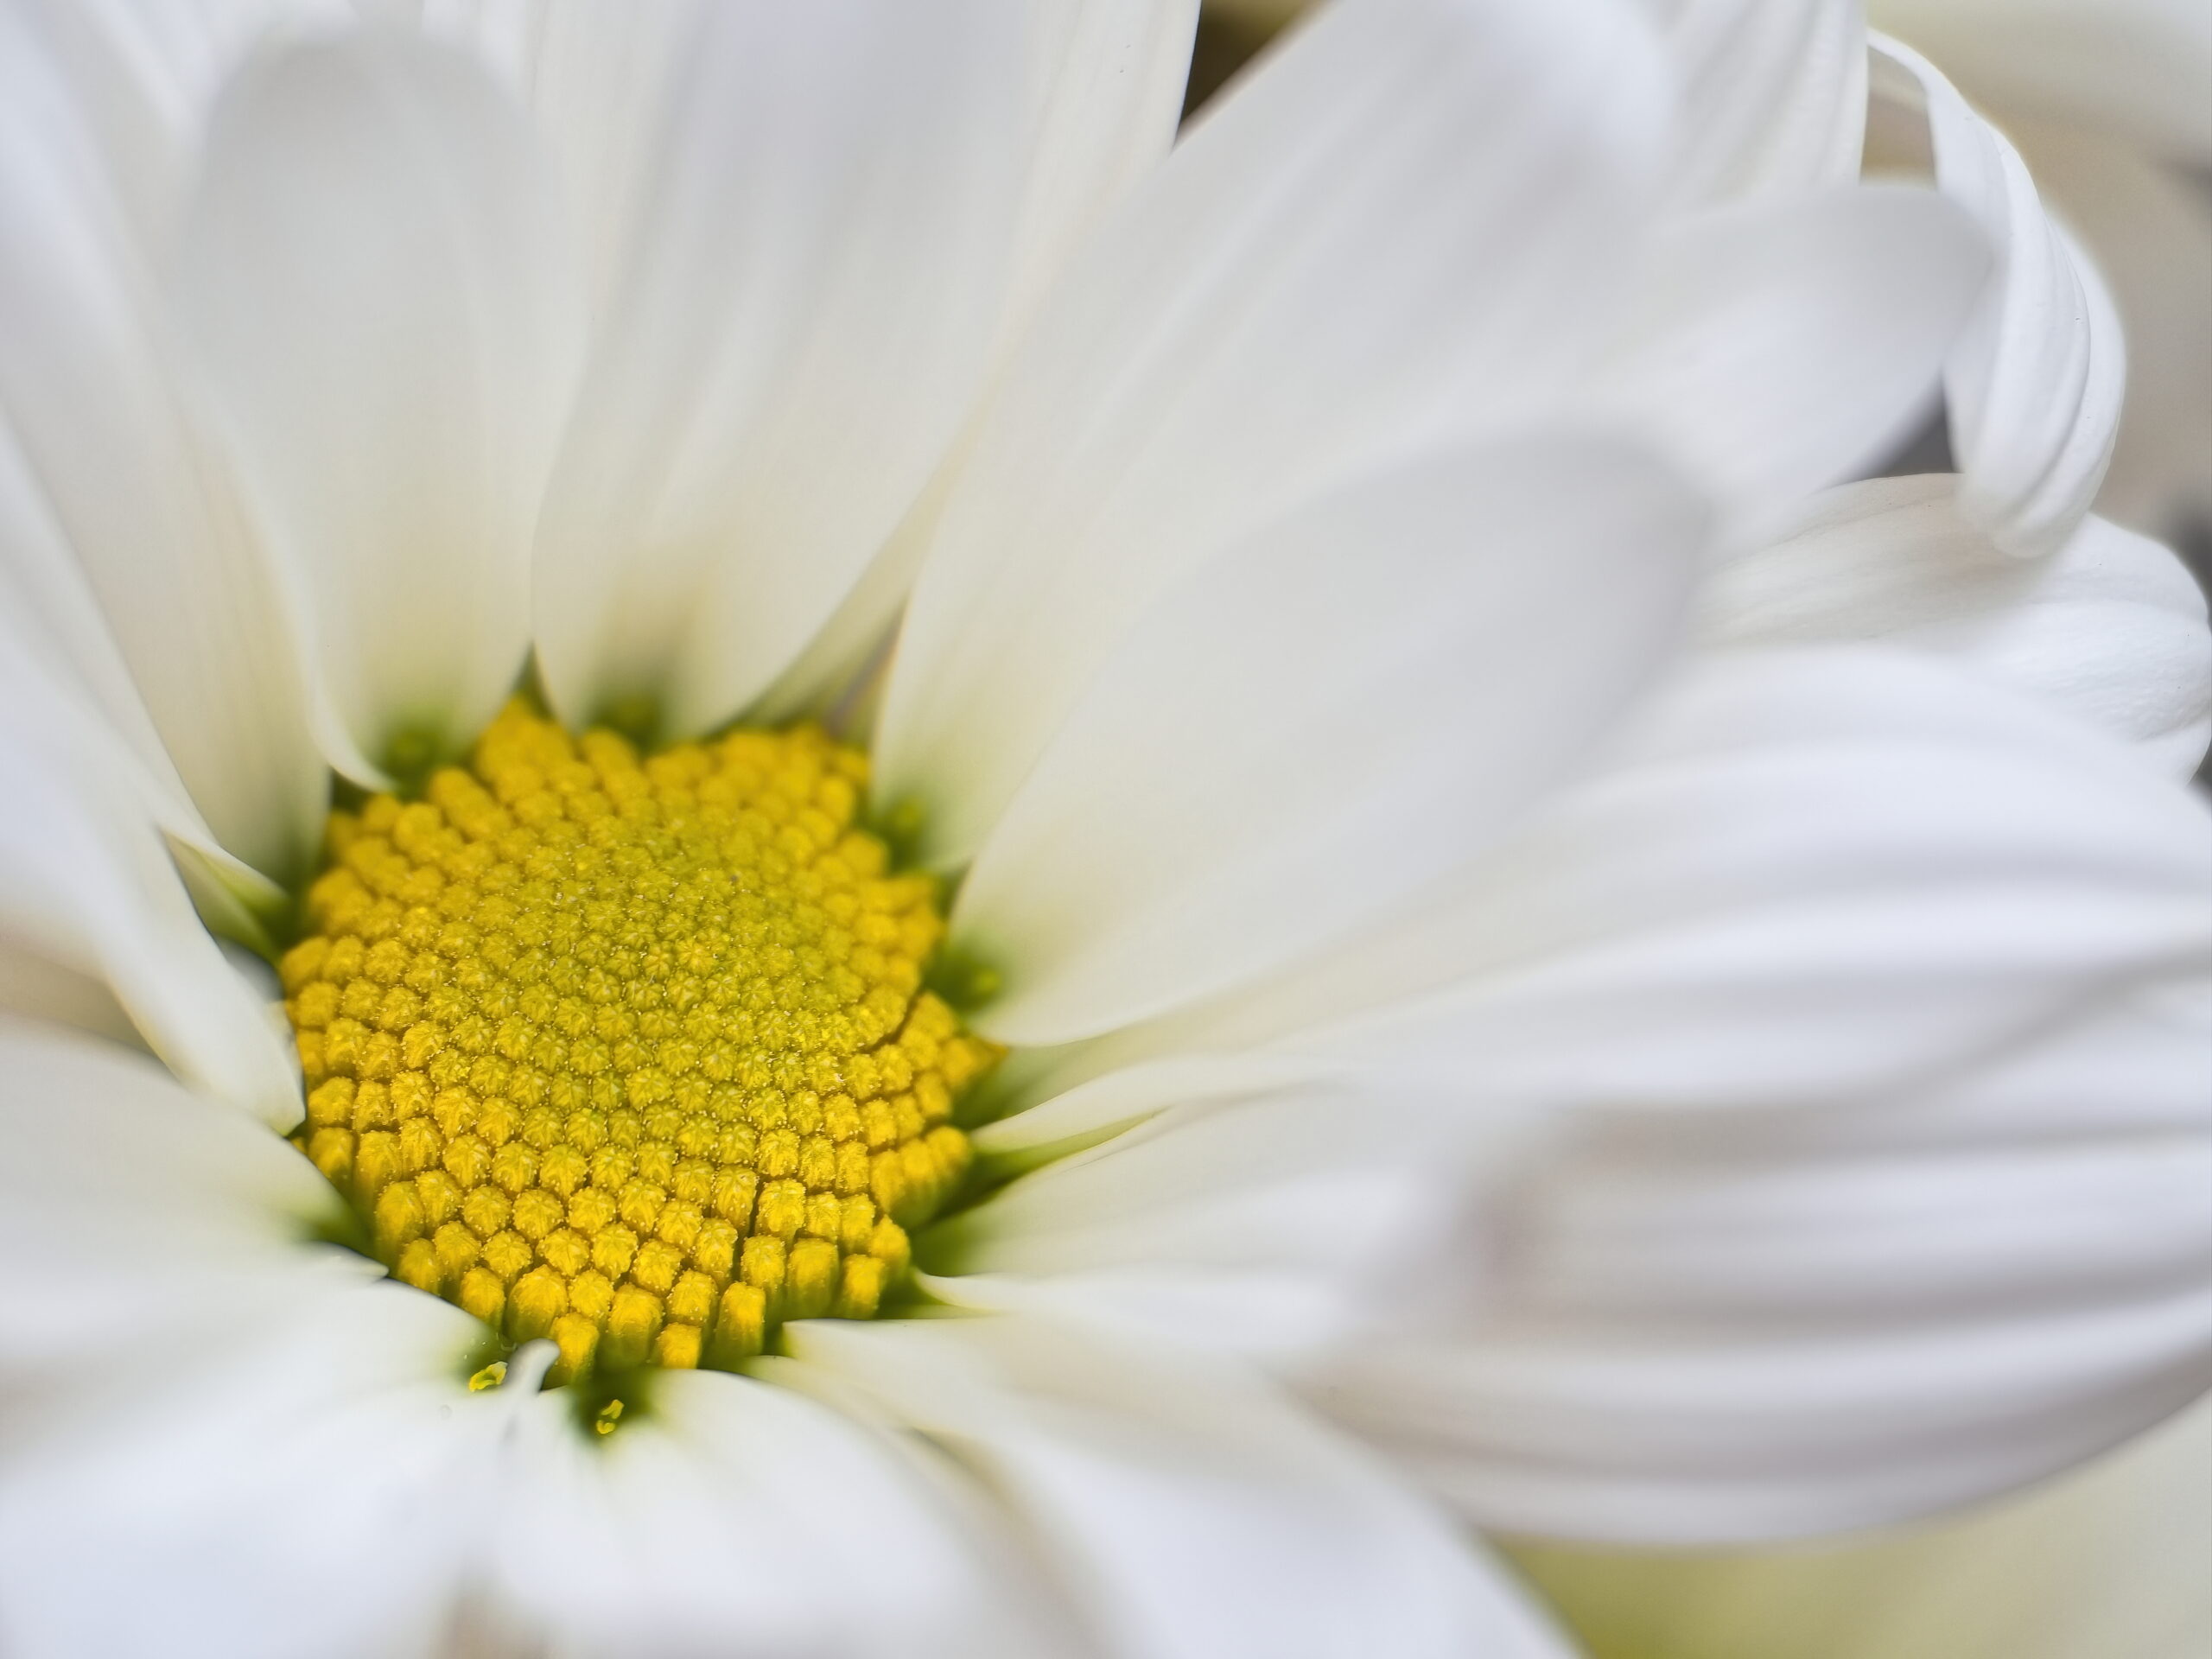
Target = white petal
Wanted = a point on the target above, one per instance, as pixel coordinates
(51, 627)
(2108, 1560)
(1773, 95)
(87, 382)
(2035, 384)
(1270, 1223)
(1108, 105)
(86, 885)
(1395, 221)
(818, 271)
(142, 73)
(2111, 628)
(729, 1518)
(2149, 229)
(1790, 1322)
(1321, 720)
(1822, 875)
(136, 1217)
(375, 278)
(316, 1492)
(1778, 348)
(2131, 66)
(1187, 1512)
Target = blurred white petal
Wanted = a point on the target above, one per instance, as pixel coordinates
(87, 885)
(2108, 1560)
(2035, 385)
(376, 280)
(1820, 875)
(133, 1211)
(88, 383)
(2110, 628)
(818, 256)
(737, 1519)
(1773, 94)
(314, 1491)
(2149, 229)
(1397, 673)
(1186, 1512)
(1275, 1221)
(1292, 302)
(1789, 1322)
(1783, 346)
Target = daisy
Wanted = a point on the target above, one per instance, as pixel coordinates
(1347, 989)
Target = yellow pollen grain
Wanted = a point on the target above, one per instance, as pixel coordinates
(629, 1053)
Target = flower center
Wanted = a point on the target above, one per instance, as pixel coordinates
(630, 1053)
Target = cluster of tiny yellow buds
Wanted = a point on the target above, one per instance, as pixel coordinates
(630, 1053)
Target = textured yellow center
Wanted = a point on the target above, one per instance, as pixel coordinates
(630, 1053)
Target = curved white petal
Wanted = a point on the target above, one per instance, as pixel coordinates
(379, 287)
(1822, 875)
(2108, 1560)
(51, 627)
(817, 268)
(2137, 68)
(316, 1491)
(728, 1517)
(88, 384)
(2111, 628)
(86, 885)
(1186, 1511)
(1108, 101)
(2035, 385)
(2149, 229)
(1773, 96)
(1393, 222)
(142, 73)
(1324, 719)
(1783, 347)
(136, 1217)
(1274, 1223)
(1701, 1330)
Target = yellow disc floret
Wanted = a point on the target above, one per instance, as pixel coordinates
(630, 1053)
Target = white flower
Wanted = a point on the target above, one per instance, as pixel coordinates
(1479, 1051)
(2106, 100)
(2109, 1560)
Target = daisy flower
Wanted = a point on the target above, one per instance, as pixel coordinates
(1375, 955)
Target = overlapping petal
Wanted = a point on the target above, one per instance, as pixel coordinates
(1184, 1512)
(2107, 1561)
(1292, 302)
(94, 919)
(819, 257)
(1797, 1322)
(89, 382)
(2034, 385)
(1773, 95)
(381, 295)
(1818, 875)
(2110, 627)
(1321, 720)
(1783, 347)
(735, 1518)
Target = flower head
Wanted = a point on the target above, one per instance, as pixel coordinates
(1332, 972)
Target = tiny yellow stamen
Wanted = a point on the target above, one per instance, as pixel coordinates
(490, 1377)
(630, 1054)
(609, 1415)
